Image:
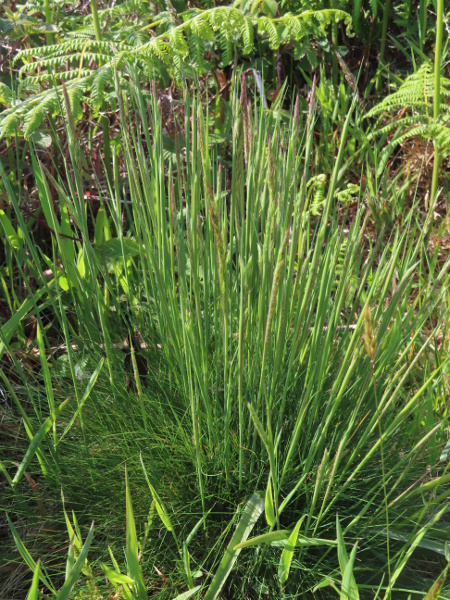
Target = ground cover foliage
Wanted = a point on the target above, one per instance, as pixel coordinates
(224, 331)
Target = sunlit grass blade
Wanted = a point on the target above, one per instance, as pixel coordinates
(349, 588)
(251, 513)
(188, 594)
(36, 441)
(288, 553)
(33, 594)
(27, 557)
(132, 550)
(71, 580)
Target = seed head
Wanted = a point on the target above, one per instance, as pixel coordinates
(369, 334)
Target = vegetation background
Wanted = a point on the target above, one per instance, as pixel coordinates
(224, 306)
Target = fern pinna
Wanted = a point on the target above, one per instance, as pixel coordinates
(411, 108)
(177, 47)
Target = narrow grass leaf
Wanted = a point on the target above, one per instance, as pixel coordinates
(47, 377)
(160, 509)
(27, 556)
(5, 473)
(288, 553)
(349, 587)
(35, 442)
(66, 589)
(10, 327)
(252, 512)
(268, 505)
(115, 577)
(70, 558)
(264, 538)
(132, 551)
(436, 588)
(86, 394)
(346, 565)
(187, 566)
(258, 425)
(188, 594)
(9, 231)
(33, 594)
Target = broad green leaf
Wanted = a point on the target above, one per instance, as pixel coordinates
(251, 514)
(264, 538)
(37, 439)
(268, 505)
(26, 555)
(75, 573)
(188, 594)
(288, 553)
(132, 551)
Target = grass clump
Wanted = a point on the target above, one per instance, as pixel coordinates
(282, 357)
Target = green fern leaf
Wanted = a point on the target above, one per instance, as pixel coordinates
(9, 125)
(247, 36)
(266, 25)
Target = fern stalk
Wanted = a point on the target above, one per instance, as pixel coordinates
(97, 28)
(48, 20)
(334, 47)
(437, 93)
(386, 13)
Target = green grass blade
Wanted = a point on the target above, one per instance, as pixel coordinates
(349, 587)
(252, 512)
(288, 553)
(65, 591)
(47, 379)
(37, 439)
(115, 577)
(5, 473)
(27, 556)
(160, 508)
(188, 594)
(9, 328)
(132, 550)
(268, 505)
(33, 594)
(86, 394)
(264, 538)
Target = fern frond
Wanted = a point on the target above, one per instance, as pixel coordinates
(247, 36)
(266, 25)
(34, 118)
(9, 124)
(101, 79)
(6, 95)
